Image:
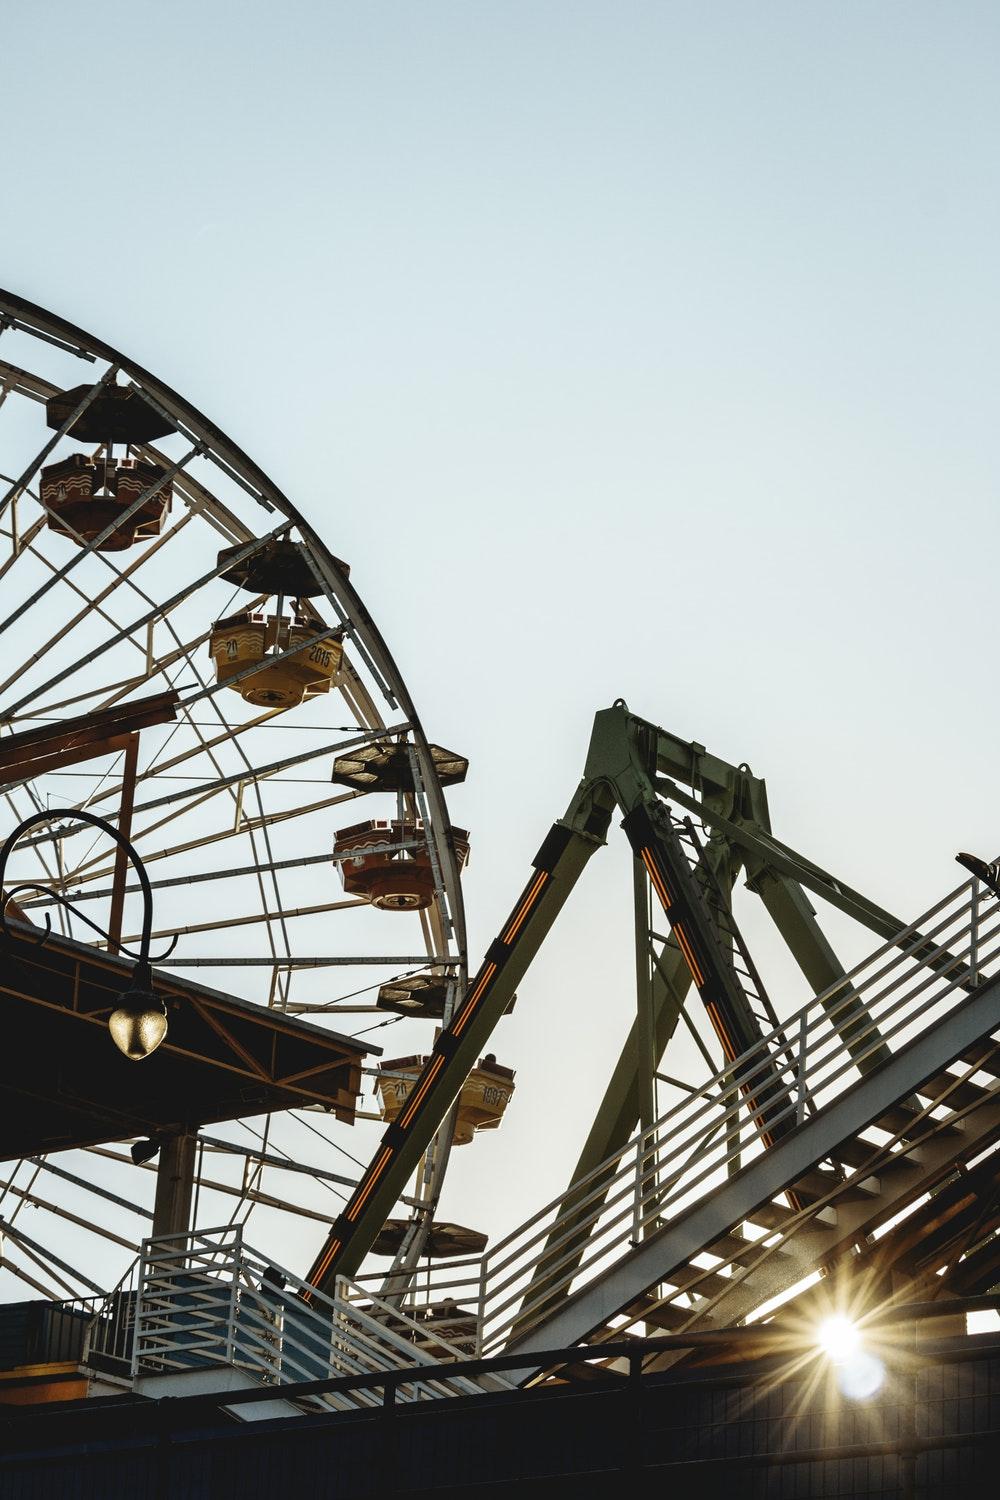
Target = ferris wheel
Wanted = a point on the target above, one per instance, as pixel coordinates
(182, 654)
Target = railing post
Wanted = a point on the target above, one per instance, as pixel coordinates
(234, 1296)
(640, 1164)
(481, 1306)
(974, 934)
(800, 1102)
(140, 1287)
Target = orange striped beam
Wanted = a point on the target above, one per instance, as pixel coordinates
(435, 1075)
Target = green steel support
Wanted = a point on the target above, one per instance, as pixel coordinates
(645, 1061)
(618, 1111)
(630, 765)
(557, 867)
(794, 917)
(763, 851)
(618, 738)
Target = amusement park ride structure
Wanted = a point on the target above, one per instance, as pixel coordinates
(224, 745)
(851, 1144)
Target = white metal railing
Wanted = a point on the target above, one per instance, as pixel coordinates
(441, 1302)
(94, 1332)
(111, 1331)
(906, 985)
(207, 1298)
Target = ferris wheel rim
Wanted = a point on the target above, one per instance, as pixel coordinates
(30, 319)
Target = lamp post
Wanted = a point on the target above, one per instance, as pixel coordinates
(138, 1024)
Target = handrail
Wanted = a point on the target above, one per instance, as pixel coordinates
(634, 1350)
(206, 1297)
(900, 988)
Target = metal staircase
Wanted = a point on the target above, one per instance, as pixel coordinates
(698, 1222)
(206, 1299)
(883, 1089)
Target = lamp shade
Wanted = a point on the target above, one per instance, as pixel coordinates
(139, 1024)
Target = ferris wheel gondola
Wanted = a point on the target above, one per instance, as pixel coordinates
(182, 653)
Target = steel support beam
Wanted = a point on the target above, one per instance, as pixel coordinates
(556, 869)
(174, 1185)
(787, 1162)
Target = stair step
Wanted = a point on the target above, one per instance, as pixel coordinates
(818, 1184)
(708, 1282)
(771, 1215)
(665, 1315)
(815, 1184)
(583, 1373)
(734, 1249)
(777, 1215)
(854, 1152)
(960, 1095)
(984, 1055)
(898, 1165)
(902, 1122)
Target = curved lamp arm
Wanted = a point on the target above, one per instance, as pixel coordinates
(81, 816)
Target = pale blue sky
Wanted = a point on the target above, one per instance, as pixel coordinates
(623, 349)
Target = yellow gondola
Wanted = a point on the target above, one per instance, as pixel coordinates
(241, 641)
(485, 1093)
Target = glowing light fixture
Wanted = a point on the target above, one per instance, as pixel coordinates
(839, 1338)
(138, 1023)
(859, 1372)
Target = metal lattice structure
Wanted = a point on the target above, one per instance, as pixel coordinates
(841, 1135)
(183, 653)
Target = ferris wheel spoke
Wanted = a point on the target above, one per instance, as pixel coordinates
(230, 873)
(51, 712)
(49, 1261)
(37, 807)
(276, 919)
(151, 856)
(266, 1200)
(193, 799)
(261, 773)
(48, 1292)
(87, 629)
(159, 668)
(91, 607)
(116, 690)
(45, 1164)
(226, 923)
(278, 1159)
(95, 602)
(35, 1200)
(19, 543)
(156, 768)
(158, 612)
(298, 961)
